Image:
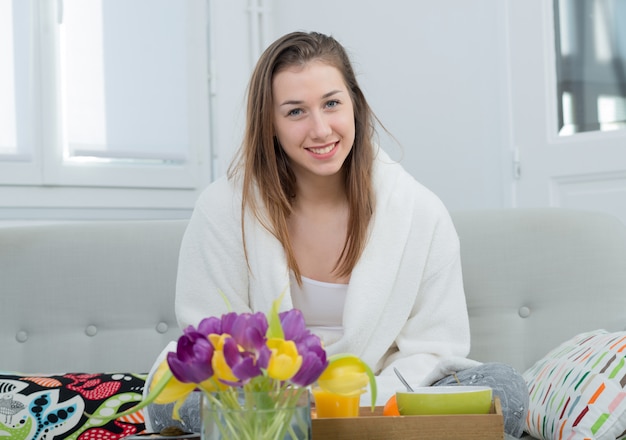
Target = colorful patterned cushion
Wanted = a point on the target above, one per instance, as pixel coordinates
(56, 407)
(577, 390)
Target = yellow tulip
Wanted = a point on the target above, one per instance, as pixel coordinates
(174, 390)
(285, 360)
(218, 340)
(347, 375)
(221, 369)
(218, 362)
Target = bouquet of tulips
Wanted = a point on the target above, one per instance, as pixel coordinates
(251, 361)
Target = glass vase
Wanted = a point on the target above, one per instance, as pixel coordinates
(245, 415)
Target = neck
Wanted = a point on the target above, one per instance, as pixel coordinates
(320, 190)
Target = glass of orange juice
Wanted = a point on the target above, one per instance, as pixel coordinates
(329, 404)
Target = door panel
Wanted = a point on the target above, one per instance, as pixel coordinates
(584, 170)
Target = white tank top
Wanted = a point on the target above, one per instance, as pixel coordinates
(322, 305)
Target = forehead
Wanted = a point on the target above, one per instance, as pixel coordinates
(307, 79)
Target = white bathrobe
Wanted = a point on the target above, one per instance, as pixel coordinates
(405, 305)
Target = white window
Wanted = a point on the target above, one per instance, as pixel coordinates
(104, 107)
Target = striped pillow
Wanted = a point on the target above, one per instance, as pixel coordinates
(577, 390)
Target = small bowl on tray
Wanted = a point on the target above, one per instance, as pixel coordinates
(457, 399)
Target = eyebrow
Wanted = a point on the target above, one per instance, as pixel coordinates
(324, 96)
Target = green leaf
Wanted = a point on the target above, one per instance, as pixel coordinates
(274, 329)
(229, 307)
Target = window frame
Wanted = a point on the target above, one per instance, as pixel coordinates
(47, 186)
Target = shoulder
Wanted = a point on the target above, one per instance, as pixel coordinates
(220, 191)
(404, 204)
(402, 200)
(395, 187)
(220, 200)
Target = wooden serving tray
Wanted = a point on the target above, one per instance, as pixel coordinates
(374, 426)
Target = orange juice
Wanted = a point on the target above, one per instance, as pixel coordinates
(334, 405)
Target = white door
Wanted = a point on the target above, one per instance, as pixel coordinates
(585, 170)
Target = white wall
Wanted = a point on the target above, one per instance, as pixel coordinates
(440, 76)
(433, 71)
(435, 74)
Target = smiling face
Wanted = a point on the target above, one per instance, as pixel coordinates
(313, 118)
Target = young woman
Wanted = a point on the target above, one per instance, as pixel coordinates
(312, 206)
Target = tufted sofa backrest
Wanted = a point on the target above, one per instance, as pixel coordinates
(537, 277)
(88, 296)
(99, 296)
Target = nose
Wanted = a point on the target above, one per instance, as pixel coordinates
(320, 126)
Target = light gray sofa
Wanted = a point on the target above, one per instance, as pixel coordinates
(88, 297)
(98, 296)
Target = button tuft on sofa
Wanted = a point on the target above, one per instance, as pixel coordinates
(162, 327)
(524, 312)
(21, 336)
(91, 330)
(119, 276)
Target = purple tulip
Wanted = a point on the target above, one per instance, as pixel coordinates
(227, 322)
(210, 325)
(249, 330)
(309, 347)
(293, 325)
(242, 363)
(191, 363)
(314, 360)
(246, 353)
(309, 341)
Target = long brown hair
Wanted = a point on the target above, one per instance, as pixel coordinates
(265, 167)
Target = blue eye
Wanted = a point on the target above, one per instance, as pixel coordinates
(295, 112)
(332, 103)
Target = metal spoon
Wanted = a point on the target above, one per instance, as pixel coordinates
(403, 380)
